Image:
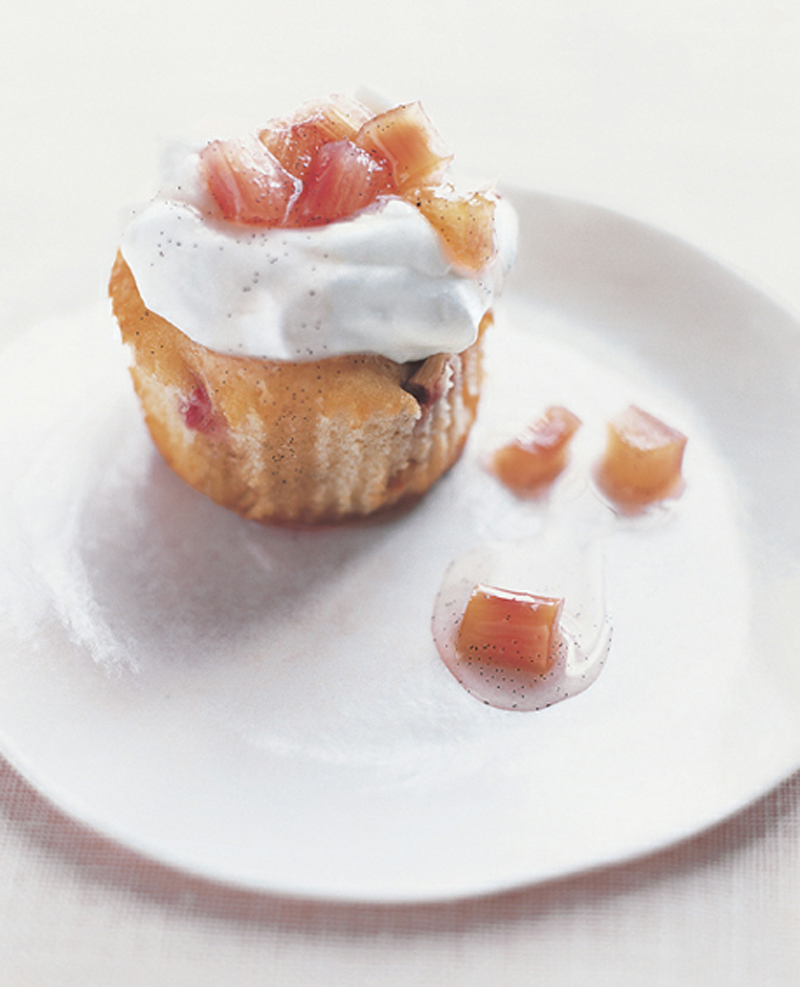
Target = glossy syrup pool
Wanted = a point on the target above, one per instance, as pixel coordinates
(557, 564)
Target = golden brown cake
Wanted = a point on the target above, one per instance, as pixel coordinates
(309, 442)
(353, 408)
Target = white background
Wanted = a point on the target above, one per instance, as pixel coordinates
(683, 114)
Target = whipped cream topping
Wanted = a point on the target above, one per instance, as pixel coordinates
(377, 282)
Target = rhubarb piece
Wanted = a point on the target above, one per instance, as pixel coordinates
(538, 454)
(407, 139)
(431, 380)
(296, 140)
(248, 183)
(509, 632)
(198, 411)
(465, 223)
(342, 179)
(643, 458)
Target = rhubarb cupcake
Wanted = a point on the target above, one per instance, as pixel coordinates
(305, 312)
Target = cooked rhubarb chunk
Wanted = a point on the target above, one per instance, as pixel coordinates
(643, 457)
(295, 140)
(432, 380)
(465, 223)
(248, 183)
(407, 139)
(537, 455)
(198, 411)
(509, 631)
(342, 179)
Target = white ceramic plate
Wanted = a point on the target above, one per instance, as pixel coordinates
(266, 707)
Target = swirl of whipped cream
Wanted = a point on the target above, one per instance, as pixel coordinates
(377, 282)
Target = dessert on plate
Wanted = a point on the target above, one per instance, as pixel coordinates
(305, 311)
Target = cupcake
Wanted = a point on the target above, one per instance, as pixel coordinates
(305, 312)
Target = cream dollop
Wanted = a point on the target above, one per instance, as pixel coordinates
(376, 282)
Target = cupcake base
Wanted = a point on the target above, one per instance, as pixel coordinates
(313, 443)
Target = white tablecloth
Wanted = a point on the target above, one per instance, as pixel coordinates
(684, 115)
